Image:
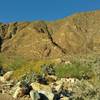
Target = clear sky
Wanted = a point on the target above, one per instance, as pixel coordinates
(29, 10)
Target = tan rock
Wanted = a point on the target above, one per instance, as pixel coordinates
(69, 83)
(43, 89)
(18, 90)
(18, 93)
(51, 78)
(67, 62)
(57, 85)
(64, 98)
(2, 79)
(58, 60)
(37, 86)
(8, 75)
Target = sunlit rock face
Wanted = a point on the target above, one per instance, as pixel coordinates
(76, 34)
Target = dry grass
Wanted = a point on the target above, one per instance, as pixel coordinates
(29, 67)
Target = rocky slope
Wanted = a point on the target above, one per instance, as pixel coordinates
(76, 34)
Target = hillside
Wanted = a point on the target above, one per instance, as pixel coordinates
(75, 34)
(58, 60)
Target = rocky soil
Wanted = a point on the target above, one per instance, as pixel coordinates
(49, 86)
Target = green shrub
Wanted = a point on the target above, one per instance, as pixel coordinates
(16, 63)
(75, 69)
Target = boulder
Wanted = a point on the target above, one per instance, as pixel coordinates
(18, 93)
(34, 95)
(43, 90)
(8, 75)
(16, 90)
(51, 78)
(37, 86)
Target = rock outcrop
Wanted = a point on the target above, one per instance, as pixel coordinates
(6, 77)
(79, 33)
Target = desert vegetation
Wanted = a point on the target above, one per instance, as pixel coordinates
(84, 68)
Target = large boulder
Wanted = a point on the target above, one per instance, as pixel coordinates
(6, 77)
(43, 90)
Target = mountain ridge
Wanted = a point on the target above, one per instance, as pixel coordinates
(79, 33)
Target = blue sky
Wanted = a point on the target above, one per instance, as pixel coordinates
(29, 10)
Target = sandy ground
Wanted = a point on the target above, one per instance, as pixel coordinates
(5, 97)
(8, 97)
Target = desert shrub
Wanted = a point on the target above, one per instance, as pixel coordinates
(29, 77)
(75, 69)
(47, 69)
(16, 62)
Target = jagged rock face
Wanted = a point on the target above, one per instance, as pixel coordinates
(79, 33)
(33, 41)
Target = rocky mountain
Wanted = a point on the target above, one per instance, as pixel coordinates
(75, 34)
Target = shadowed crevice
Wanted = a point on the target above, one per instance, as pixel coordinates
(1, 41)
(42, 27)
